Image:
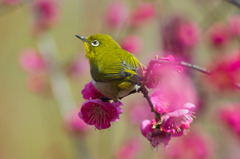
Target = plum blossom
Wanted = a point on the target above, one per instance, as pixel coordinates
(175, 118)
(100, 114)
(193, 145)
(116, 14)
(172, 124)
(129, 150)
(180, 36)
(90, 92)
(230, 116)
(45, 14)
(160, 70)
(31, 61)
(225, 73)
(156, 136)
(175, 103)
(188, 34)
(142, 13)
(132, 44)
(219, 35)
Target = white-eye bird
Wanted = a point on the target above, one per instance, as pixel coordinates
(114, 71)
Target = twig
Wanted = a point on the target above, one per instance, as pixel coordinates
(59, 82)
(195, 67)
(181, 63)
(145, 94)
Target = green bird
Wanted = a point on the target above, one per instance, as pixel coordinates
(115, 72)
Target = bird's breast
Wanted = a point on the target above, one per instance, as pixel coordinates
(112, 90)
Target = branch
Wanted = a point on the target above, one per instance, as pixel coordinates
(181, 63)
(145, 94)
(59, 82)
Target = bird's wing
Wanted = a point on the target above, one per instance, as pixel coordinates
(129, 70)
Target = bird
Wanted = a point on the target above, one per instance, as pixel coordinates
(115, 72)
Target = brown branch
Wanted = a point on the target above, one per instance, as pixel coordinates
(145, 94)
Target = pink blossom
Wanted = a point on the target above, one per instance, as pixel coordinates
(178, 121)
(75, 124)
(219, 35)
(129, 150)
(171, 94)
(193, 145)
(189, 34)
(32, 62)
(176, 118)
(234, 25)
(164, 69)
(156, 136)
(142, 13)
(100, 114)
(116, 14)
(90, 92)
(225, 73)
(132, 44)
(46, 13)
(180, 36)
(230, 116)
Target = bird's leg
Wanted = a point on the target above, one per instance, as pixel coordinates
(105, 99)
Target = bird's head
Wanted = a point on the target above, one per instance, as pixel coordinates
(98, 44)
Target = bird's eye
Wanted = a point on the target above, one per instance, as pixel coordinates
(95, 43)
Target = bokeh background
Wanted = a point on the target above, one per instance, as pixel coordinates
(35, 108)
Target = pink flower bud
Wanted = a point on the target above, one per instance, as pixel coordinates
(32, 62)
(225, 73)
(188, 34)
(230, 116)
(132, 44)
(45, 14)
(129, 150)
(219, 35)
(193, 145)
(90, 92)
(143, 13)
(116, 14)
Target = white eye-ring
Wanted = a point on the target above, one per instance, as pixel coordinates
(95, 43)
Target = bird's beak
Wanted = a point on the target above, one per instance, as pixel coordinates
(82, 38)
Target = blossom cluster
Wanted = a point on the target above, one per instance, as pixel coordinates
(37, 68)
(173, 106)
(97, 112)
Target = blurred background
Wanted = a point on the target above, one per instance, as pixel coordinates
(43, 71)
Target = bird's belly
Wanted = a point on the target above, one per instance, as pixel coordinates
(111, 90)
